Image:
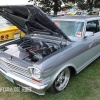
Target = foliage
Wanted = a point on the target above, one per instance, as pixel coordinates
(55, 5)
(48, 5)
(88, 4)
(97, 4)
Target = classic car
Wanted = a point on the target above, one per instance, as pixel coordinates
(51, 51)
(8, 31)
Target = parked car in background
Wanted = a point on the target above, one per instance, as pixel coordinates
(79, 13)
(71, 13)
(51, 51)
(95, 13)
(59, 13)
(8, 31)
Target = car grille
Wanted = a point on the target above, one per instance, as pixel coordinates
(15, 68)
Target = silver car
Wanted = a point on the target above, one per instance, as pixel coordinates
(51, 51)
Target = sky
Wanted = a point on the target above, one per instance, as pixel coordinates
(13, 2)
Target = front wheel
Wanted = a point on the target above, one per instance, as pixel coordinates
(61, 81)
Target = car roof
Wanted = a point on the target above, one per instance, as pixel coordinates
(81, 18)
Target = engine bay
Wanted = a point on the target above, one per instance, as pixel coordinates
(31, 49)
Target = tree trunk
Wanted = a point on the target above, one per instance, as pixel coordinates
(55, 7)
(55, 12)
(90, 5)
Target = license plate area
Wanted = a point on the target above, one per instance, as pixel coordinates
(16, 35)
(10, 79)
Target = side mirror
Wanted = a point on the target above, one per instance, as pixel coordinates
(88, 34)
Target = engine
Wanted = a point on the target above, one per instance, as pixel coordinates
(37, 49)
(31, 49)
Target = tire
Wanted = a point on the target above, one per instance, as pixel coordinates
(61, 81)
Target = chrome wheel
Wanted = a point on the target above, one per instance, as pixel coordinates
(62, 79)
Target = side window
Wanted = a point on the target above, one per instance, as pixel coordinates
(93, 26)
(99, 25)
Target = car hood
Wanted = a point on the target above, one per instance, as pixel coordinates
(30, 19)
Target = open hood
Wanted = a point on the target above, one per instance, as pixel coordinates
(30, 19)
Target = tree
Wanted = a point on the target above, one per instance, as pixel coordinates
(88, 4)
(97, 4)
(55, 5)
(48, 5)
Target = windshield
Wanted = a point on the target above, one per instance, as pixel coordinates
(71, 28)
(5, 23)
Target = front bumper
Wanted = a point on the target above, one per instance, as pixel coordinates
(24, 82)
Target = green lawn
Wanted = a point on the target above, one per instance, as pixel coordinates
(84, 86)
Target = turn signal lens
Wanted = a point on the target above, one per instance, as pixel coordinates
(36, 80)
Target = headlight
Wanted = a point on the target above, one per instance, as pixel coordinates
(36, 73)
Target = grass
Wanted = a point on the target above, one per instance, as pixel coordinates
(84, 86)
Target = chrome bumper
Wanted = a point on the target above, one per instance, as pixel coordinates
(38, 89)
